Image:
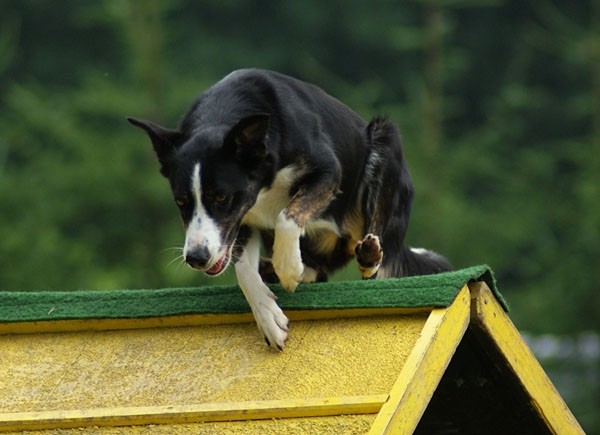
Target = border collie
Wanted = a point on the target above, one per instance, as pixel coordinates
(264, 160)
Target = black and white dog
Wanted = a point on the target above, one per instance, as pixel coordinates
(260, 159)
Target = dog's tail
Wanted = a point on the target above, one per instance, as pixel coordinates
(389, 202)
(419, 261)
(388, 187)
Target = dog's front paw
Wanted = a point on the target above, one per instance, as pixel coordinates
(273, 324)
(287, 260)
(289, 268)
(369, 255)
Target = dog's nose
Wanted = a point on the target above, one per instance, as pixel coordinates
(198, 258)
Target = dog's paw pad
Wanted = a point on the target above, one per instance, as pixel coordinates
(368, 251)
(369, 255)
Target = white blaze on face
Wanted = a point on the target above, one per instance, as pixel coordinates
(202, 230)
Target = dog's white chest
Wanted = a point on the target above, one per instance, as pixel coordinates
(270, 202)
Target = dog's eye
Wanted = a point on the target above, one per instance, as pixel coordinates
(180, 201)
(221, 198)
(217, 197)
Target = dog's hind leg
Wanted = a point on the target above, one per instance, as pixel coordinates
(386, 203)
(268, 275)
(312, 270)
(267, 271)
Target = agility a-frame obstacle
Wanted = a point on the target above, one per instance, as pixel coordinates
(427, 355)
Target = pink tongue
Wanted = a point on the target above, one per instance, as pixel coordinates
(217, 267)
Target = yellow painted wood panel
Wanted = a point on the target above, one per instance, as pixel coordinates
(178, 366)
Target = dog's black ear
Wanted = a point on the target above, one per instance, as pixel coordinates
(164, 141)
(249, 137)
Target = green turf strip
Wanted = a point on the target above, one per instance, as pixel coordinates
(413, 292)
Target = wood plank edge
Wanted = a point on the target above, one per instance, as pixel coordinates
(491, 319)
(75, 325)
(424, 368)
(201, 413)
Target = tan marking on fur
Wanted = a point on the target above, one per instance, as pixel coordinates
(353, 225)
(325, 241)
(304, 205)
(351, 247)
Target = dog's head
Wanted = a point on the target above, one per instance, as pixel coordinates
(215, 175)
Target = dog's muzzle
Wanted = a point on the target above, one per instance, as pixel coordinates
(200, 258)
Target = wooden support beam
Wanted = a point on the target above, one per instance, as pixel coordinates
(424, 368)
(206, 412)
(490, 318)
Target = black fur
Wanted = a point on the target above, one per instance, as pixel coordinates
(351, 190)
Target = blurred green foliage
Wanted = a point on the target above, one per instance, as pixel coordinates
(498, 102)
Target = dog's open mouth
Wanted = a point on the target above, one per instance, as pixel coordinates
(219, 265)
